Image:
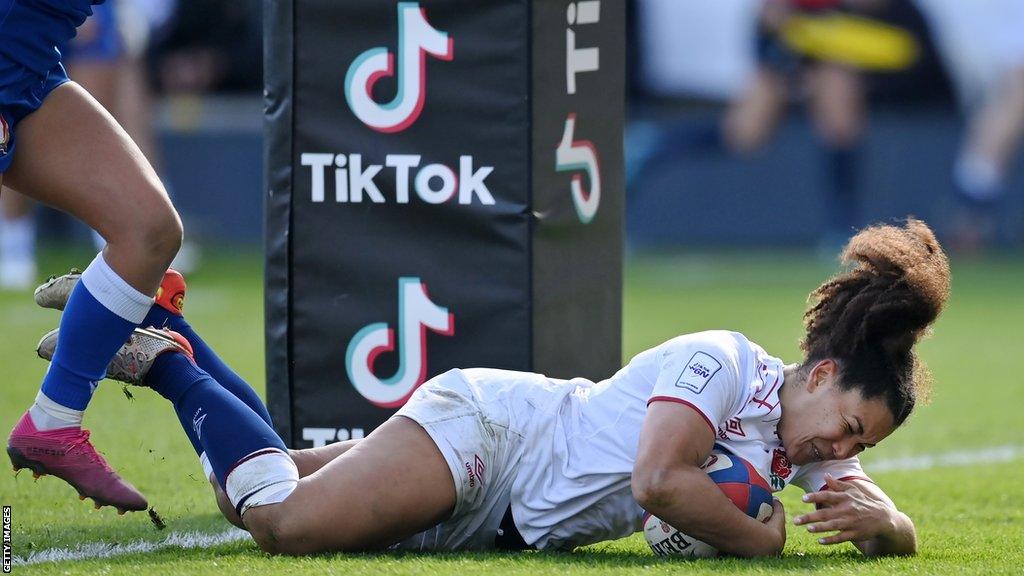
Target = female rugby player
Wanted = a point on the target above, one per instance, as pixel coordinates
(60, 147)
(485, 458)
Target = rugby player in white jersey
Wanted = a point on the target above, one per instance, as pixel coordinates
(481, 459)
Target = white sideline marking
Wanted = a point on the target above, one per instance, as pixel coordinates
(182, 540)
(947, 459)
(186, 540)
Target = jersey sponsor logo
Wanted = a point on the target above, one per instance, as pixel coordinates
(781, 468)
(416, 314)
(416, 39)
(701, 368)
(476, 471)
(734, 426)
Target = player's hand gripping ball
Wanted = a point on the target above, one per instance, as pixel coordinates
(739, 481)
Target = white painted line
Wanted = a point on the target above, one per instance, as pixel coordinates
(187, 540)
(947, 459)
(182, 540)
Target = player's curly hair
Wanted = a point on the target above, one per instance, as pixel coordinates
(869, 317)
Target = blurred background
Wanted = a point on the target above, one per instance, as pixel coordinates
(769, 123)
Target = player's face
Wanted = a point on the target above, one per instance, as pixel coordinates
(823, 422)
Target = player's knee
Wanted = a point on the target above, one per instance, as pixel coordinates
(167, 233)
(160, 233)
(278, 533)
(226, 509)
(155, 230)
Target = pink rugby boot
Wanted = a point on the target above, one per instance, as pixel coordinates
(67, 454)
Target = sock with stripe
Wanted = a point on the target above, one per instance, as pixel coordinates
(248, 459)
(100, 315)
(208, 360)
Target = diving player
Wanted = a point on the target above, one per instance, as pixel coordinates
(483, 459)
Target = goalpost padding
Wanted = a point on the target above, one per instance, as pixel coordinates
(444, 188)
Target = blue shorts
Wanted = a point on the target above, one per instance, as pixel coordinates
(30, 63)
(14, 107)
(98, 40)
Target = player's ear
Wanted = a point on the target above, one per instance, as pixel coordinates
(824, 372)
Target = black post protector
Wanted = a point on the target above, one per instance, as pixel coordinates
(444, 189)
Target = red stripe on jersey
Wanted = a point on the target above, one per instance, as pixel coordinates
(685, 403)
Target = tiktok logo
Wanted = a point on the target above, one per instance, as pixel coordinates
(416, 313)
(580, 155)
(416, 39)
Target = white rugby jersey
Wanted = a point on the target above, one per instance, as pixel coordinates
(573, 486)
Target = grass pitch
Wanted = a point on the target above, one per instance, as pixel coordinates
(969, 517)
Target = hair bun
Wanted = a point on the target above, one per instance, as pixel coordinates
(912, 258)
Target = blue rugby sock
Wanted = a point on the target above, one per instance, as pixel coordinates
(100, 315)
(208, 360)
(214, 420)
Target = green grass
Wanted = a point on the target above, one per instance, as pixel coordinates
(969, 519)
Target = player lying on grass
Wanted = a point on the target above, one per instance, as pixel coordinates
(483, 458)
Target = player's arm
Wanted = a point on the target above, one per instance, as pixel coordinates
(669, 483)
(859, 511)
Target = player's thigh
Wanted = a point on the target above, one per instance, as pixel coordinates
(74, 156)
(391, 485)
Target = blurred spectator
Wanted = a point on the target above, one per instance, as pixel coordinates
(829, 54)
(983, 44)
(820, 48)
(209, 46)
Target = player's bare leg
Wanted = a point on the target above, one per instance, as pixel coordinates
(332, 509)
(73, 156)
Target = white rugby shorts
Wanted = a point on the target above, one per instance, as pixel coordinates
(478, 429)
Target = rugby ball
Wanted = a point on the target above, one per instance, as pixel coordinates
(738, 480)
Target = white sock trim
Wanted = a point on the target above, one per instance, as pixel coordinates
(267, 476)
(114, 293)
(49, 415)
(204, 461)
